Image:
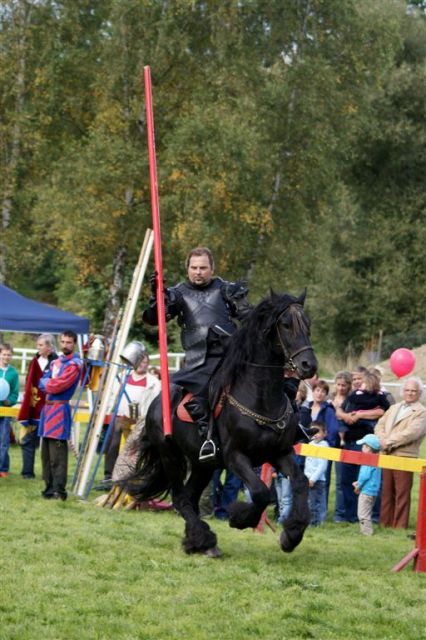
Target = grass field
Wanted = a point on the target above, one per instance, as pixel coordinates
(73, 571)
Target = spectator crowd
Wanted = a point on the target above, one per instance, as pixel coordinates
(357, 414)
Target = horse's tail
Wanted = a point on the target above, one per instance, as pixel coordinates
(149, 479)
(159, 461)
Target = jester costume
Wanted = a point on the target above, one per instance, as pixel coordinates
(59, 382)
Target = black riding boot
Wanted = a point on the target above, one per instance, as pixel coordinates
(198, 409)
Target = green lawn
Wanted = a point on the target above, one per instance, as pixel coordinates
(74, 571)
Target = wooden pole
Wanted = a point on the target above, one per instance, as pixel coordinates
(107, 398)
(158, 259)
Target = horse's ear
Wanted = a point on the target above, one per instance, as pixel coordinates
(272, 293)
(301, 298)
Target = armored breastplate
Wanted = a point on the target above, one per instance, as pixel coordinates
(204, 307)
(201, 309)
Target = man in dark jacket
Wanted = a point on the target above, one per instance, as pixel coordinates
(205, 306)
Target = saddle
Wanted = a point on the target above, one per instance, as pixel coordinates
(183, 414)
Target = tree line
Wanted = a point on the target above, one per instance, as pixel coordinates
(290, 139)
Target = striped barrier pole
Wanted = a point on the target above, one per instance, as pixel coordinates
(357, 457)
(415, 465)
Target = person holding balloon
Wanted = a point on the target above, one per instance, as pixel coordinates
(9, 392)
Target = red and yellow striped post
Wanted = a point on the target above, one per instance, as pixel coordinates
(420, 563)
(418, 554)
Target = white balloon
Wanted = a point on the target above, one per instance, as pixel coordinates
(4, 389)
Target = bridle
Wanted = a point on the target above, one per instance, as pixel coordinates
(289, 357)
(280, 423)
(289, 362)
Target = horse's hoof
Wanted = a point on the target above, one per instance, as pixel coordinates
(243, 515)
(289, 543)
(213, 552)
(285, 543)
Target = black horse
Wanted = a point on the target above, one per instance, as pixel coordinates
(256, 425)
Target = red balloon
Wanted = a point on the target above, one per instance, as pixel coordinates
(402, 362)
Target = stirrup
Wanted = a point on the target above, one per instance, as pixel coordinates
(206, 456)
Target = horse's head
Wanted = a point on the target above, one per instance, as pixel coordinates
(274, 336)
(293, 330)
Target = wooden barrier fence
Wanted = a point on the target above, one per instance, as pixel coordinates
(415, 465)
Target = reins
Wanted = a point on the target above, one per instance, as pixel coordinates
(265, 366)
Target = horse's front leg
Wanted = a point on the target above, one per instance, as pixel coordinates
(247, 514)
(299, 516)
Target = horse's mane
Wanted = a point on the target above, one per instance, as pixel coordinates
(258, 325)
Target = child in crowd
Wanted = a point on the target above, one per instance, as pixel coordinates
(11, 386)
(155, 371)
(316, 471)
(368, 485)
(365, 399)
(284, 496)
(379, 371)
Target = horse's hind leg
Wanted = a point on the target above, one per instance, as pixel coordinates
(299, 516)
(198, 480)
(247, 514)
(199, 538)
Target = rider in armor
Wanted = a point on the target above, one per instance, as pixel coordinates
(205, 306)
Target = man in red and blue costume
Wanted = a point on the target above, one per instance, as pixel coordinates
(59, 383)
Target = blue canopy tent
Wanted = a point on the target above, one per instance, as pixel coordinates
(18, 313)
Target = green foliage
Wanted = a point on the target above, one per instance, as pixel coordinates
(289, 138)
(384, 264)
